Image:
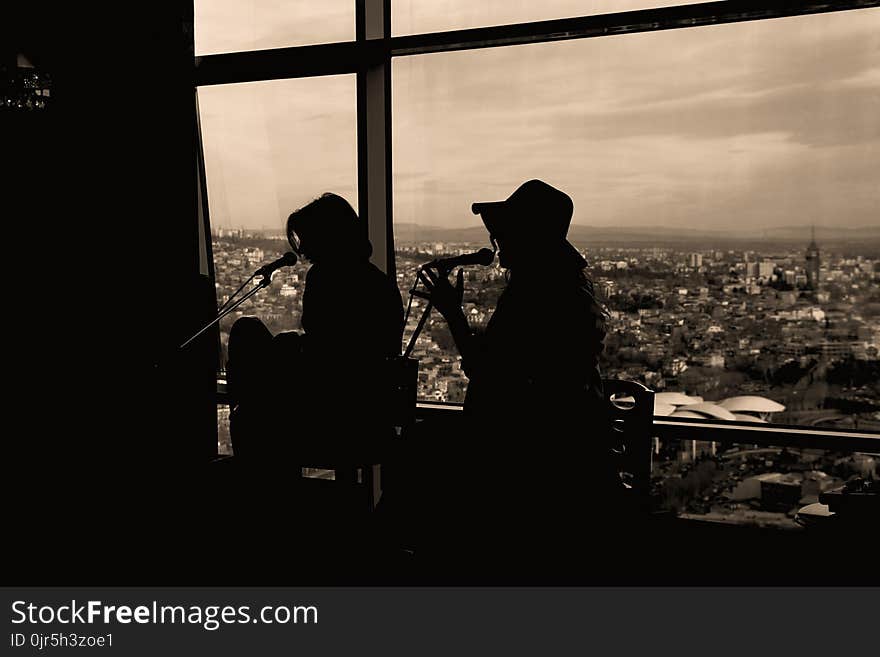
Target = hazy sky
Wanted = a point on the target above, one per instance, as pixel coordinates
(750, 124)
(234, 25)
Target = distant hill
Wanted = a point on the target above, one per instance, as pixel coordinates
(408, 232)
(580, 234)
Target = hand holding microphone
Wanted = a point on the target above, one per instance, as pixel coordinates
(482, 257)
(440, 292)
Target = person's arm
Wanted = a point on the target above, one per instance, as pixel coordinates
(464, 337)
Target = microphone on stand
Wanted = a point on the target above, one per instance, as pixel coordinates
(266, 271)
(482, 257)
(287, 260)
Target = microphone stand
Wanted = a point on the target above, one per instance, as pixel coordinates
(234, 294)
(419, 326)
(226, 308)
(414, 292)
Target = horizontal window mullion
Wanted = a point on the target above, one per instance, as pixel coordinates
(645, 20)
(280, 63)
(351, 56)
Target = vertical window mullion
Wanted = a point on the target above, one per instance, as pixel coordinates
(374, 133)
(206, 265)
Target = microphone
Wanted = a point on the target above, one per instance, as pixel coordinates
(287, 260)
(482, 257)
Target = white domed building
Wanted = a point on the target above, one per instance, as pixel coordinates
(751, 408)
(743, 408)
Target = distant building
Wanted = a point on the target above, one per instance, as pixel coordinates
(812, 263)
(750, 487)
(816, 482)
(781, 492)
(830, 349)
(696, 260)
(792, 349)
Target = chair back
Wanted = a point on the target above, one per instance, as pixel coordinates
(400, 384)
(631, 408)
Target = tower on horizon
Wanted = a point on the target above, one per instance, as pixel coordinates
(812, 264)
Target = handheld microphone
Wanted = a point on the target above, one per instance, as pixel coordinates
(287, 260)
(482, 257)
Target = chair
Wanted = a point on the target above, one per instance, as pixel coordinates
(356, 464)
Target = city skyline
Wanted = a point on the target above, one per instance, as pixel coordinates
(790, 232)
(717, 324)
(749, 124)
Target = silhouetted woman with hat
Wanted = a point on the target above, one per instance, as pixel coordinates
(538, 440)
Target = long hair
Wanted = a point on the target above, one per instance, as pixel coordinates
(598, 310)
(568, 269)
(597, 298)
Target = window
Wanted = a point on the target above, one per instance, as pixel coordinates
(698, 161)
(270, 148)
(236, 25)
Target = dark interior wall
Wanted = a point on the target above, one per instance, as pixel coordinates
(110, 173)
(100, 215)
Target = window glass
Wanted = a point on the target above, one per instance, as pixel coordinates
(236, 25)
(270, 148)
(724, 182)
(420, 16)
(748, 484)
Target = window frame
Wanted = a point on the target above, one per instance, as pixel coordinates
(370, 55)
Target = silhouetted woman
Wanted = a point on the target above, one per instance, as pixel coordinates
(537, 448)
(320, 384)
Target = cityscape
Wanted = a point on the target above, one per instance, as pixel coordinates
(795, 323)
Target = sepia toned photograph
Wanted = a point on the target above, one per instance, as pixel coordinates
(444, 293)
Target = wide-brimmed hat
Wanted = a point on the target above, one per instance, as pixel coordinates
(536, 213)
